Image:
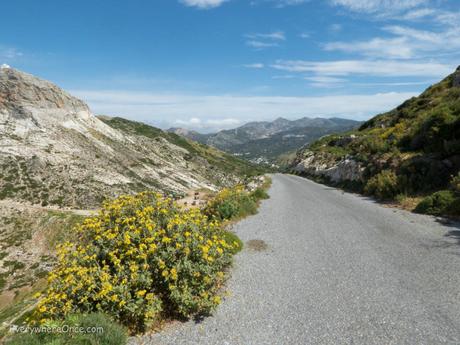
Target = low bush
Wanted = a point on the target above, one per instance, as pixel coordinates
(455, 183)
(232, 238)
(439, 203)
(231, 203)
(141, 256)
(81, 329)
(260, 194)
(383, 186)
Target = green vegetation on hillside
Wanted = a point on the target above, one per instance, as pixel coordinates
(412, 150)
(214, 157)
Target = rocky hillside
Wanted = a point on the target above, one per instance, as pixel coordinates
(266, 141)
(58, 161)
(54, 151)
(412, 151)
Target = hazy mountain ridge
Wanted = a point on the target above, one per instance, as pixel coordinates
(53, 150)
(267, 140)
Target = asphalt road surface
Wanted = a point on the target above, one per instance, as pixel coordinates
(337, 269)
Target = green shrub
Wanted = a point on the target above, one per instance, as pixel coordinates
(140, 256)
(383, 185)
(233, 239)
(422, 174)
(231, 203)
(455, 183)
(96, 329)
(260, 194)
(440, 203)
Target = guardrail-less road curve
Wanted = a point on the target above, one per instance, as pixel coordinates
(337, 269)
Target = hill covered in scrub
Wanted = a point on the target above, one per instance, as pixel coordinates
(54, 151)
(58, 162)
(266, 141)
(411, 151)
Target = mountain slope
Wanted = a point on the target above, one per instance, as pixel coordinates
(411, 150)
(53, 150)
(266, 141)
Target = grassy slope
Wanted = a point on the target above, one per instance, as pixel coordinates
(219, 159)
(28, 238)
(417, 145)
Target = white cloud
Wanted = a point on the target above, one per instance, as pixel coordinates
(335, 28)
(204, 4)
(280, 3)
(8, 53)
(325, 81)
(418, 14)
(260, 44)
(376, 47)
(265, 40)
(254, 65)
(406, 43)
(283, 3)
(284, 76)
(210, 125)
(226, 111)
(372, 6)
(448, 18)
(378, 68)
(194, 121)
(224, 122)
(275, 36)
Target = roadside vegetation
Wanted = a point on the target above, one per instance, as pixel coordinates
(77, 329)
(140, 261)
(236, 203)
(410, 152)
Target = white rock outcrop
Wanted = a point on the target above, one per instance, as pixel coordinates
(346, 169)
(53, 150)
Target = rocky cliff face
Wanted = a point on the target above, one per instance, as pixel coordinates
(53, 150)
(320, 165)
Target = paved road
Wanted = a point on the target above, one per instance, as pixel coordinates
(338, 269)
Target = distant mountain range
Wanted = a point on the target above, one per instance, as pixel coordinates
(266, 141)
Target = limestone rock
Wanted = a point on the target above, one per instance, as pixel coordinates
(54, 151)
(346, 169)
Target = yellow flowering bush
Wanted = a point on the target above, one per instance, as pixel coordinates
(231, 203)
(139, 257)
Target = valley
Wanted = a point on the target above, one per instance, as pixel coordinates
(266, 142)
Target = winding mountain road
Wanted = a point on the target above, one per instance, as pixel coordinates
(338, 269)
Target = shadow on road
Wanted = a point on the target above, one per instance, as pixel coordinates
(454, 231)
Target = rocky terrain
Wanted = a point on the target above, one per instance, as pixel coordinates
(265, 142)
(58, 162)
(411, 151)
(54, 151)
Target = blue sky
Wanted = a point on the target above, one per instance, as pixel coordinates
(212, 64)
